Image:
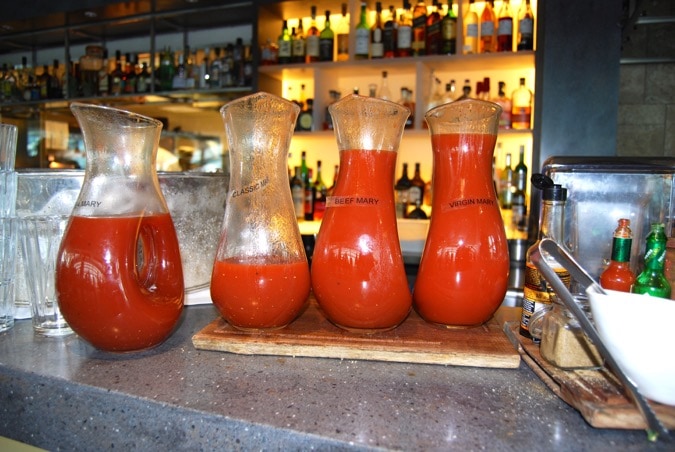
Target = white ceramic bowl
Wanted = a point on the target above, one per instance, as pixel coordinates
(639, 332)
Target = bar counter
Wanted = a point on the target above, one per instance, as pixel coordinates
(61, 394)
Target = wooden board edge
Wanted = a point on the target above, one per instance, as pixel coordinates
(348, 353)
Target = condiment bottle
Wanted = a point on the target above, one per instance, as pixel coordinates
(536, 293)
(652, 280)
(618, 275)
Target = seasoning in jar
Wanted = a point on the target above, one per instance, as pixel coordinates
(563, 342)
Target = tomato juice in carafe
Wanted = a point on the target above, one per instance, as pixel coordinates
(260, 276)
(463, 273)
(119, 276)
(110, 298)
(358, 275)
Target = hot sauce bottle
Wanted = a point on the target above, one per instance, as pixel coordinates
(618, 275)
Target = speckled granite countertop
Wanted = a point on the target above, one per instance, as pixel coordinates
(61, 394)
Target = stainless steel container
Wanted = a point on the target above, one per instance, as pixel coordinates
(601, 190)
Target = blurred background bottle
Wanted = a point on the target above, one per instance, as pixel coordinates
(342, 34)
(521, 107)
(525, 26)
(505, 28)
(449, 31)
(402, 192)
(312, 39)
(326, 41)
(488, 28)
(470, 30)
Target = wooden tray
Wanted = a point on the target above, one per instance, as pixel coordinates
(414, 341)
(596, 394)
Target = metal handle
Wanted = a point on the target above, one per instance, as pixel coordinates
(549, 246)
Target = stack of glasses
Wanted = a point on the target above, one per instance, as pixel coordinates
(8, 224)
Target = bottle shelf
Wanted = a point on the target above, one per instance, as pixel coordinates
(464, 63)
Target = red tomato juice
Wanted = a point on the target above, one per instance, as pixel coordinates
(358, 276)
(260, 296)
(105, 295)
(463, 274)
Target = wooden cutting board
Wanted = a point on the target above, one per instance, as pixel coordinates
(414, 341)
(596, 394)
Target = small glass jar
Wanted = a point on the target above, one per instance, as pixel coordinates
(563, 342)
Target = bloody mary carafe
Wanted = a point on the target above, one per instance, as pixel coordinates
(119, 277)
(463, 273)
(260, 276)
(358, 276)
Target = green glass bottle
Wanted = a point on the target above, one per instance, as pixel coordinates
(652, 281)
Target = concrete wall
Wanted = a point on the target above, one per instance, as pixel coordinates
(646, 116)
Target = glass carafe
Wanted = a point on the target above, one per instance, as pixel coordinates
(119, 277)
(358, 275)
(260, 276)
(464, 270)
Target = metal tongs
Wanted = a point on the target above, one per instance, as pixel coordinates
(550, 247)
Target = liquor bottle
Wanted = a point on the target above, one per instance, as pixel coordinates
(144, 80)
(470, 30)
(618, 275)
(449, 31)
(309, 196)
(434, 31)
(419, 24)
(525, 27)
(521, 107)
(298, 48)
(536, 291)
(126, 75)
(342, 33)
(402, 193)
(519, 199)
(43, 82)
(417, 186)
(326, 41)
(506, 197)
(116, 76)
(466, 90)
(417, 213)
(503, 101)
(384, 91)
(336, 172)
(312, 39)
(407, 100)
(376, 34)
(362, 36)
(390, 34)
(298, 192)
(284, 44)
(180, 77)
(404, 35)
(488, 28)
(54, 89)
(320, 193)
(450, 92)
(505, 28)
(306, 116)
(652, 281)
(104, 76)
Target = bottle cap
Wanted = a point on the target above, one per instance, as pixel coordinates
(555, 193)
(551, 191)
